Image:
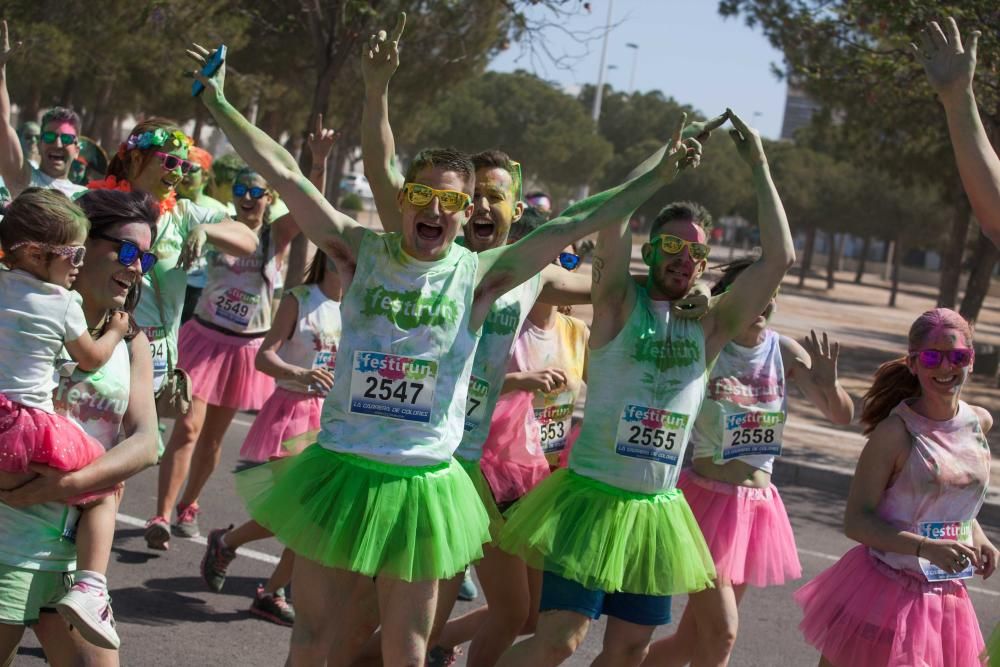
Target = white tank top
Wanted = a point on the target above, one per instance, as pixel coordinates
(236, 296)
(645, 389)
(745, 406)
(316, 336)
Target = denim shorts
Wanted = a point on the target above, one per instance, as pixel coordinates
(561, 594)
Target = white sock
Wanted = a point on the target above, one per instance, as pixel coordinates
(92, 579)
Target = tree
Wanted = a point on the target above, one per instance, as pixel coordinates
(528, 118)
(851, 56)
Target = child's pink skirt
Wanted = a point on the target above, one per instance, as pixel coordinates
(862, 613)
(31, 435)
(746, 528)
(285, 414)
(222, 367)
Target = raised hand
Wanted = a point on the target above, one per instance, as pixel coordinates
(7, 50)
(682, 153)
(380, 56)
(702, 129)
(948, 65)
(193, 246)
(824, 355)
(215, 84)
(321, 140)
(747, 140)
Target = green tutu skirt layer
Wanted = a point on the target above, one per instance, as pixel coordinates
(609, 539)
(485, 494)
(352, 513)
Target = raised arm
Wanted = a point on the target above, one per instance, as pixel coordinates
(14, 169)
(751, 291)
(813, 369)
(332, 231)
(379, 61)
(502, 269)
(950, 69)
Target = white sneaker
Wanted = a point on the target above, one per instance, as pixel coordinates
(88, 609)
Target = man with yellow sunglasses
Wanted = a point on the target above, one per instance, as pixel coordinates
(595, 525)
(496, 205)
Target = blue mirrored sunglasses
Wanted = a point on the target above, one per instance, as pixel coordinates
(569, 261)
(128, 252)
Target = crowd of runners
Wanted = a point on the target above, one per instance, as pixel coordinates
(416, 397)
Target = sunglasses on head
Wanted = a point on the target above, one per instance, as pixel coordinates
(75, 253)
(67, 139)
(569, 260)
(672, 245)
(128, 252)
(239, 189)
(450, 200)
(958, 357)
(171, 162)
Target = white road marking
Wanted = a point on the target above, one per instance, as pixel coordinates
(820, 554)
(249, 553)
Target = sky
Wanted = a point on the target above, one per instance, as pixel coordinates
(686, 50)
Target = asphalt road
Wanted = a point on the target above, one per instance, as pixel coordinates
(167, 617)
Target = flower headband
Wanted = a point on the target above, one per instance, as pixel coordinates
(153, 138)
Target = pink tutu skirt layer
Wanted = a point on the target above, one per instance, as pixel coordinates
(31, 435)
(513, 461)
(863, 613)
(222, 367)
(285, 414)
(747, 530)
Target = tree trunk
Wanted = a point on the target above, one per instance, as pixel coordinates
(951, 260)
(832, 255)
(897, 262)
(865, 248)
(807, 255)
(984, 260)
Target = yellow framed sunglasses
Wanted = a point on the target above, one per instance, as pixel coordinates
(421, 195)
(673, 244)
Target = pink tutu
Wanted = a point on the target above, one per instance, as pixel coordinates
(285, 415)
(862, 613)
(31, 435)
(222, 367)
(513, 461)
(747, 530)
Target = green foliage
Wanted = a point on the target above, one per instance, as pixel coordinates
(351, 202)
(538, 125)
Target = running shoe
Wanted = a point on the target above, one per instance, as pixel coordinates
(158, 533)
(216, 560)
(273, 607)
(88, 609)
(187, 521)
(443, 657)
(468, 591)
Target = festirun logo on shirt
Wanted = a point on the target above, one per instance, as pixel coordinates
(410, 309)
(667, 354)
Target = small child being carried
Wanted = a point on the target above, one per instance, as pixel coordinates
(42, 237)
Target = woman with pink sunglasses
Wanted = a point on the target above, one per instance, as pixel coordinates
(899, 598)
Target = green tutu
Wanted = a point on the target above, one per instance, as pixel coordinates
(609, 539)
(485, 494)
(352, 513)
(992, 654)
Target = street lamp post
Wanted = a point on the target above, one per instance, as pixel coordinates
(595, 113)
(635, 61)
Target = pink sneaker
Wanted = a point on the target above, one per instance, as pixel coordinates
(158, 533)
(187, 521)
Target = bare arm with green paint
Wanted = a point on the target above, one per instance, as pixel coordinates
(502, 269)
(14, 168)
(379, 61)
(753, 289)
(333, 232)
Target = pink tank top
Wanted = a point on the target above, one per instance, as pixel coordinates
(943, 482)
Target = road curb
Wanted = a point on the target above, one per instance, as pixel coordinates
(837, 480)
